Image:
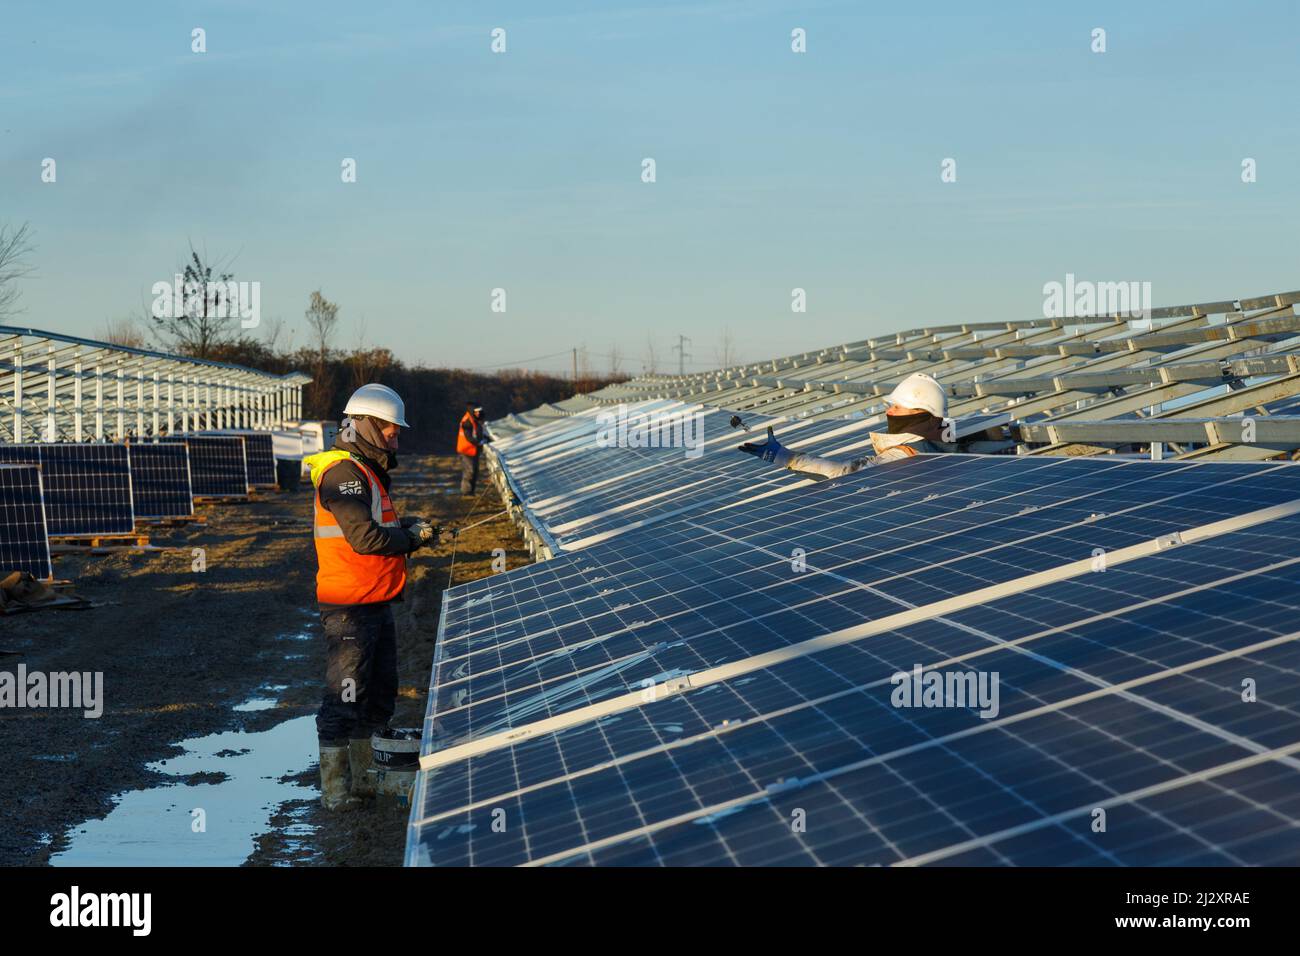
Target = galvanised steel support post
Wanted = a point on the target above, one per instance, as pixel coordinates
(78, 418)
(51, 406)
(18, 391)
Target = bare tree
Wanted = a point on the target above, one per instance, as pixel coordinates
(615, 361)
(273, 330)
(322, 316)
(368, 364)
(15, 247)
(204, 318)
(124, 331)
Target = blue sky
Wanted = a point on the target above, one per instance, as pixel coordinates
(521, 170)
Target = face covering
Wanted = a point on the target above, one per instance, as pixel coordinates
(370, 440)
(899, 424)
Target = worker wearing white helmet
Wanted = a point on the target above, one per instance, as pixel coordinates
(916, 413)
(361, 550)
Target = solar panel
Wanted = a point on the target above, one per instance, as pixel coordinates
(259, 451)
(87, 486)
(160, 480)
(690, 695)
(260, 447)
(218, 467)
(581, 489)
(24, 545)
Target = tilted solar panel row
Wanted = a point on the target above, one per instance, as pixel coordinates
(87, 485)
(593, 476)
(721, 688)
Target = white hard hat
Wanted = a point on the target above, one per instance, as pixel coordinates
(919, 390)
(377, 401)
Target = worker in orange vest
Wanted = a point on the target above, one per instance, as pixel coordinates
(470, 438)
(361, 550)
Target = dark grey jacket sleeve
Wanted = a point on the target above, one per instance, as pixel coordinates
(345, 492)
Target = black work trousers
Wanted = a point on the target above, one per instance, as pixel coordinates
(360, 671)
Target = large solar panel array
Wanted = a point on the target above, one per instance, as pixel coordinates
(723, 687)
(218, 465)
(160, 480)
(87, 486)
(716, 662)
(24, 541)
(580, 485)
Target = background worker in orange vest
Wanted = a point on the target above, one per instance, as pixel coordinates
(470, 438)
(361, 549)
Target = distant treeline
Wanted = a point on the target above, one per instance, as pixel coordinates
(435, 398)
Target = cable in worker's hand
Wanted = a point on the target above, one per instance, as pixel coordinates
(424, 533)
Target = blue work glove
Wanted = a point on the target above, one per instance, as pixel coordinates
(770, 450)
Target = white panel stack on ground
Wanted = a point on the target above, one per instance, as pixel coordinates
(1080, 649)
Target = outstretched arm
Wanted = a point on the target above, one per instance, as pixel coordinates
(773, 451)
(826, 467)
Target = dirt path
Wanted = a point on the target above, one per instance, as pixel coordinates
(178, 649)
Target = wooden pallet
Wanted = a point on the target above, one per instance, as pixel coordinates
(59, 550)
(173, 522)
(75, 542)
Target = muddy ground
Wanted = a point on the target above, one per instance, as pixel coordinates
(178, 649)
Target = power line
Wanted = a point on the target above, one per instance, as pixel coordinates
(515, 364)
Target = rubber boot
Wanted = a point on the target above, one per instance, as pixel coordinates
(334, 793)
(361, 755)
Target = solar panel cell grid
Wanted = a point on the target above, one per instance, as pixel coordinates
(218, 465)
(259, 452)
(24, 545)
(591, 648)
(1122, 687)
(160, 480)
(87, 486)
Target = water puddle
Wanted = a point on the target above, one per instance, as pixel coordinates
(159, 826)
(255, 703)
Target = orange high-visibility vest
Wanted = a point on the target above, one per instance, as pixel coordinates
(463, 445)
(343, 576)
